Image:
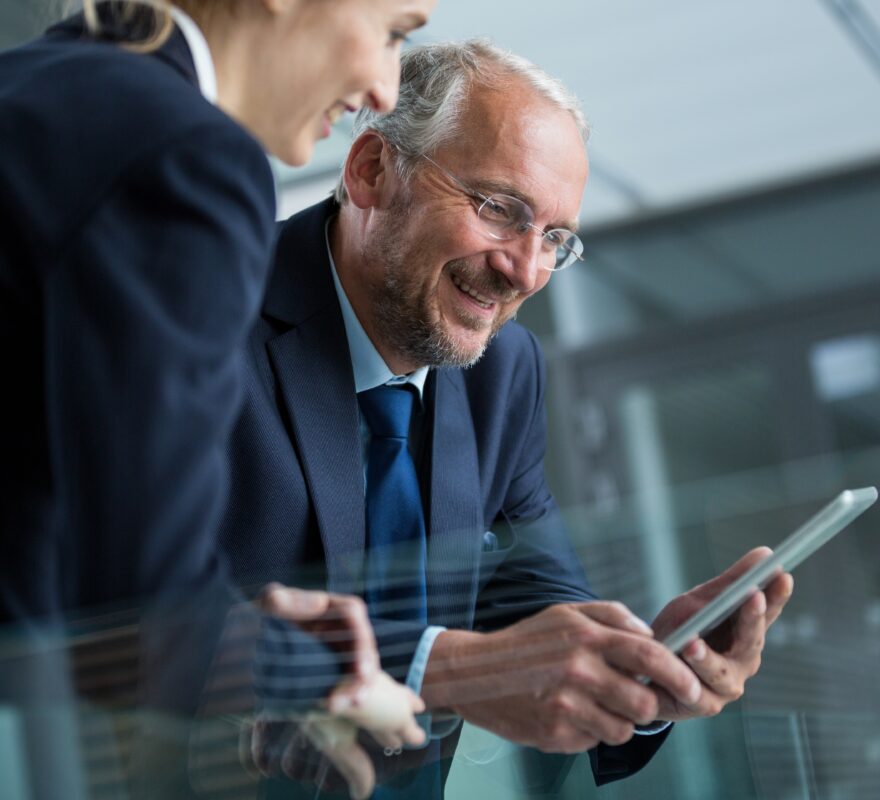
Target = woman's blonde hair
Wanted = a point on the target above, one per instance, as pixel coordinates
(148, 23)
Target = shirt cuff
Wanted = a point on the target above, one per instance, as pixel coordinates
(653, 728)
(442, 725)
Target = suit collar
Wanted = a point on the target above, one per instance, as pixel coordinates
(203, 62)
(310, 359)
(174, 52)
(300, 284)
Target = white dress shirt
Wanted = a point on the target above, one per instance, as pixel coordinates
(200, 52)
(370, 371)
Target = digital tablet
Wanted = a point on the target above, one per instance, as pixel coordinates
(802, 543)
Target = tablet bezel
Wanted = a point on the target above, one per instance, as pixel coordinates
(815, 532)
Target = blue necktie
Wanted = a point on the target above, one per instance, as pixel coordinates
(396, 545)
(395, 585)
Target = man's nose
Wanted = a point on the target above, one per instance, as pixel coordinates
(521, 260)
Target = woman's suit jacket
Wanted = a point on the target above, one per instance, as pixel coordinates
(135, 229)
(136, 226)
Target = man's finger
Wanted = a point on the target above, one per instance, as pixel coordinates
(355, 766)
(413, 734)
(739, 568)
(268, 743)
(721, 675)
(749, 625)
(294, 605)
(617, 693)
(390, 739)
(300, 760)
(382, 704)
(615, 615)
(337, 740)
(353, 613)
(651, 660)
(247, 737)
(778, 593)
(593, 719)
(416, 704)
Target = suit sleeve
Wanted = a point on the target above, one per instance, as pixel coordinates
(538, 565)
(146, 310)
(145, 317)
(542, 568)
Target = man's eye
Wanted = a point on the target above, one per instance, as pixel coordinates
(497, 210)
(556, 237)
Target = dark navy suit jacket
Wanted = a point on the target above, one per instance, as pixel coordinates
(297, 474)
(136, 226)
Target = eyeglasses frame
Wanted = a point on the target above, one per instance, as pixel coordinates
(486, 198)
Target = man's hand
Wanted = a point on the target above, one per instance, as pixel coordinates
(731, 654)
(562, 680)
(306, 748)
(382, 707)
(339, 620)
(322, 748)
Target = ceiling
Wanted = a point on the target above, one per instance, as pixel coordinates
(689, 101)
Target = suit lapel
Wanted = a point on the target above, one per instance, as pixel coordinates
(176, 53)
(319, 398)
(456, 513)
(312, 365)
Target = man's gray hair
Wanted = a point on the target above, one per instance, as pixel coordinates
(435, 82)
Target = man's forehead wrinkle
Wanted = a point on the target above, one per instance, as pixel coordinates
(507, 144)
(492, 128)
(482, 124)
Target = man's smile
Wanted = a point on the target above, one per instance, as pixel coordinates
(480, 299)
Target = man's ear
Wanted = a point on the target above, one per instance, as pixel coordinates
(368, 172)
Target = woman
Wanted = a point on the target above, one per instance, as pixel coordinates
(137, 219)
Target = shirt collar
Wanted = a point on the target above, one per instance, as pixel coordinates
(370, 369)
(201, 53)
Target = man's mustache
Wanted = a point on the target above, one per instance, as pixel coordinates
(483, 280)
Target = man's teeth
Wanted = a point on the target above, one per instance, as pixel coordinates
(485, 302)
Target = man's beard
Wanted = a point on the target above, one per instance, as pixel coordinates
(408, 326)
(404, 318)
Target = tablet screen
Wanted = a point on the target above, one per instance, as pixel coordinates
(792, 551)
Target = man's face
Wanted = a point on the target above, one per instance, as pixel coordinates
(440, 286)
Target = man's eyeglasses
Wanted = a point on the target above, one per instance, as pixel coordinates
(504, 217)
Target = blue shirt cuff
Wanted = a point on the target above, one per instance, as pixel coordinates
(434, 728)
(443, 725)
(653, 728)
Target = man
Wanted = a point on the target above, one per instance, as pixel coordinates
(451, 211)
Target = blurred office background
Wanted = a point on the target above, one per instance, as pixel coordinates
(715, 363)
